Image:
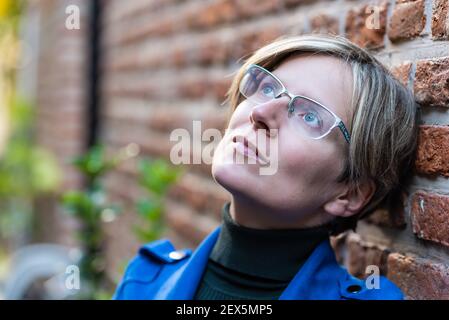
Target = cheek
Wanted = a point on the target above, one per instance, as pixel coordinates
(305, 177)
(298, 167)
(308, 164)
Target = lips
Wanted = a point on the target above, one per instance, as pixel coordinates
(249, 149)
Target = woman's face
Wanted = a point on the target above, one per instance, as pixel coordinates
(306, 168)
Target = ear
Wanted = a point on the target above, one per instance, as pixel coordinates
(346, 203)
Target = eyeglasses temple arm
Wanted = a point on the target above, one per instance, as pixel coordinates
(344, 131)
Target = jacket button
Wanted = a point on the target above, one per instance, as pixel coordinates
(176, 255)
(355, 288)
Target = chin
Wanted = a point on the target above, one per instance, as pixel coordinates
(230, 176)
(237, 180)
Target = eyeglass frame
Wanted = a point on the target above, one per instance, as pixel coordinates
(338, 122)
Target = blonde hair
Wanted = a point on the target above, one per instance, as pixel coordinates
(384, 124)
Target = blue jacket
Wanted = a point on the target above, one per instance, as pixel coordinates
(159, 272)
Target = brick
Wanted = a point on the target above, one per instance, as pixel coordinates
(430, 214)
(390, 212)
(385, 218)
(215, 119)
(440, 15)
(293, 3)
(362, 254)
(338, 244)
(407, 21)
(194, 200)
(402, 72)
(54, 226)
(433, 150)
(431, 86)
(361, 28)
(151, 143)
(187, 223)
(115, 181)
(200, 194)
(253, 38)
(168, 120)
(206, 18)
(221, 86)
(193, 87)
(201, 168)
(419, 278)
(253, 8)
(211, 15)
(324, 23)
(150, 26)
(179, 56)
(162, 28)
(212, 50)
(269, 32)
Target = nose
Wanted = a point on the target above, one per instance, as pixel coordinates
(268, 115)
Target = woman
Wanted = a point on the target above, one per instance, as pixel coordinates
(345, 133)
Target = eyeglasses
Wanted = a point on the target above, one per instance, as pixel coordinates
(310, 117)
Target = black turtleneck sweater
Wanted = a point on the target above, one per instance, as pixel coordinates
(248, 263)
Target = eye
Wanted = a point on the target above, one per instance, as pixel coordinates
(267, 90)
(306, 113)
(312, 119)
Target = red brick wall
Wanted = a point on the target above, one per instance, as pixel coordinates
(166, 63)
(61, 104)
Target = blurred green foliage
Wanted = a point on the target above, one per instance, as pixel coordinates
(26, 171)
(90, 206)
(25, 168)
(155, 176)
(9, 13)
(10, 8)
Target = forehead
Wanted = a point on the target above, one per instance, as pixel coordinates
(325, 79)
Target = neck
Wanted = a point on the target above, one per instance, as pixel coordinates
(252, 214)
(270, 253)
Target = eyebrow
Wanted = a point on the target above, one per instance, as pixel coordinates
(310, 96)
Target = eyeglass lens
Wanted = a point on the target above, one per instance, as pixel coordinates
(308, 117)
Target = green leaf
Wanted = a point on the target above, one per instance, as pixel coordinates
(157, 175)
(149, 209)
(46, 175)
(94, 163)
(78, 203)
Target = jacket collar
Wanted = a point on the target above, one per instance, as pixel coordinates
(317, 278)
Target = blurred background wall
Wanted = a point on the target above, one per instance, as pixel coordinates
(61, 95)
(138, 69)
